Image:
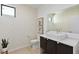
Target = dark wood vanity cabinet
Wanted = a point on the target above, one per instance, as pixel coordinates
(64, 49)
(43, 44)
(49, 46)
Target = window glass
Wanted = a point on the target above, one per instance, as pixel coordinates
(8, 10)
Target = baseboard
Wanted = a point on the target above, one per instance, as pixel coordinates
(12, 50)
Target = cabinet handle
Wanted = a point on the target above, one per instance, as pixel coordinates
(57, 42)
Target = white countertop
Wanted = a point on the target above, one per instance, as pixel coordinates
(68, 41)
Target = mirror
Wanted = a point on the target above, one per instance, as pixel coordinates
(50, 22)
(51, 17)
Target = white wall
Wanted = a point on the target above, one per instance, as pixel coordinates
(51, 8)
(18, 29)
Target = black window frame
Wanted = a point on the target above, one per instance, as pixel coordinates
(10, 7)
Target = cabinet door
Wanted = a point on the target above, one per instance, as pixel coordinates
(51, 47)
(43, 44)
(64, 49)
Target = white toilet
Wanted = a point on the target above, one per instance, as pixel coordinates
(35, 43)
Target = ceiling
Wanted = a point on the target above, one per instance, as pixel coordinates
(53, 5)
(36, 5)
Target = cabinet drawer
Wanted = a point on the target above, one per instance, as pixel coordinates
(64, 49)
(51, 46)
(43, 44)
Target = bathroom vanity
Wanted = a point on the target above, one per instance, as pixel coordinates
(51, 44)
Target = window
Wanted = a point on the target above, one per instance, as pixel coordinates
(8, 10)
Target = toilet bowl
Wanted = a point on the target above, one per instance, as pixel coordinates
(35, 43)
